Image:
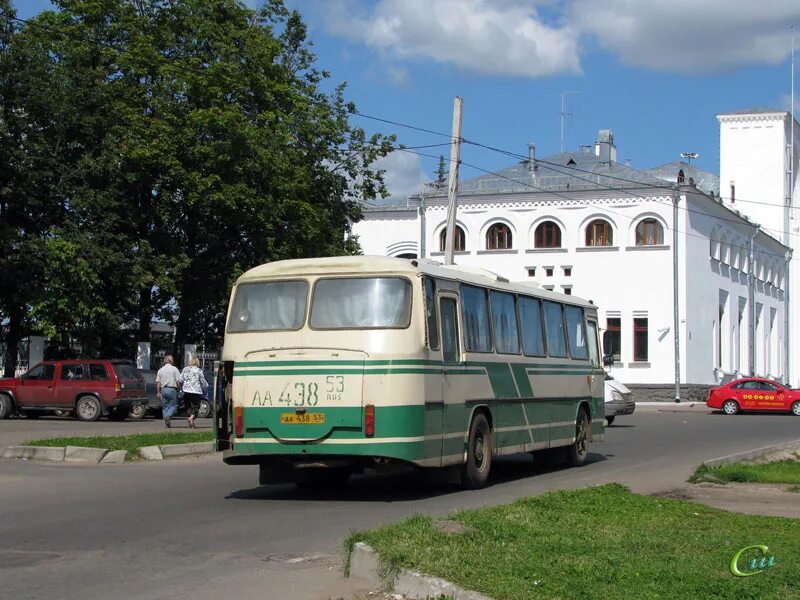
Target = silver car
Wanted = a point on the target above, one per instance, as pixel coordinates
(618, 399)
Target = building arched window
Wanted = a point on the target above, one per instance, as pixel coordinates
(547, 235)
(498, 237)
(681, 176)
(460, 240)
(599, 233)
(649, 232)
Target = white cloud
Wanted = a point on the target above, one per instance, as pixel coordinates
(689, 35)
(503, 38)
(404, 174)
(532, 38)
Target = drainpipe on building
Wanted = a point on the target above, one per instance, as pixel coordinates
(787, 311)
(422, 248)
(675, 306)
(751, 292)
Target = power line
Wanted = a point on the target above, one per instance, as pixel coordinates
(553, 166)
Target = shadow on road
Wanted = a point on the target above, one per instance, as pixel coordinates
(414, 484)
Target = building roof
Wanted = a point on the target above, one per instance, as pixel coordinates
(703, 180)
(752, 111)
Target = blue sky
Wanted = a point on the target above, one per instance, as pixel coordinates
(655, 72)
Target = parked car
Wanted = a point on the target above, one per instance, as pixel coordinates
(754, 393)
(154, 402)
(618, 399)
(86, 388)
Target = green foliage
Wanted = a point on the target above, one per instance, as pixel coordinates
(779, 471)
(152, 151)
(599, 542)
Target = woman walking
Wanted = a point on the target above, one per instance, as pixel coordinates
(194, 389)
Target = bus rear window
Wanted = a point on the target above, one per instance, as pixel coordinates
(363, 303)
(269, 306)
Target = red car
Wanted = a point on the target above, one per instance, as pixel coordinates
(753, 393)
(88, 388)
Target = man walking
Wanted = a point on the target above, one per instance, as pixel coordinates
(168, 379)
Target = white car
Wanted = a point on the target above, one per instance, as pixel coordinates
(618, 399)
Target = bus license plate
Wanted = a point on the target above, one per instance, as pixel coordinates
(302, 418)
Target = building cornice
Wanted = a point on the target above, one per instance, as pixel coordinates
(778, 115)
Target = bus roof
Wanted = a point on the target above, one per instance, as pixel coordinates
(358, 265)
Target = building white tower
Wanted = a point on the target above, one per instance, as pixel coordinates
(758, 173)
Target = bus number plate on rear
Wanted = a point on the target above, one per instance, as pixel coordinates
(302, 418)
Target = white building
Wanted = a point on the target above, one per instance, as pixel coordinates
(757, 177)
(582, 223)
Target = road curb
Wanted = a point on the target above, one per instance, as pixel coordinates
(751, 454)
(191, 449)
(81, 454)
(364, 563)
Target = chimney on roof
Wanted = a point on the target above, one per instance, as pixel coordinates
(532, 166)
(605, 149)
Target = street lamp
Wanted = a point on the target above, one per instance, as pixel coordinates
(689, 156)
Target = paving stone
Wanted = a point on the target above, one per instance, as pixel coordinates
(36, 452)
(115, 457)
(81, 454)
(197, 448)
(151, 453)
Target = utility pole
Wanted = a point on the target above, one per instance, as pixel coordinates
(676, 320)
(751, 292)
(564, 114)
(452, 196)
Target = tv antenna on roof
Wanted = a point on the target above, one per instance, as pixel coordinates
(689, 156)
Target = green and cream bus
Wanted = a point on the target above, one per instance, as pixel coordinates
(336, 365)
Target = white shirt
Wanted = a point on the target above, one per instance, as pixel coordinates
(168, 376)
(194, 382)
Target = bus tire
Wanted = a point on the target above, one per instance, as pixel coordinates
(475, 473)
(578, 452)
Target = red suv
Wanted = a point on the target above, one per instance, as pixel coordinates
(89, 388)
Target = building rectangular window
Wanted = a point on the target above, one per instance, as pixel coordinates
(475, 311)
(567, 271)
(554, 326)
(548, 271)
(504, 322)
(640, 339)
(614, 328)
(532, 272)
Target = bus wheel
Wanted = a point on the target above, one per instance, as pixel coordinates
(578, 452)
(479, 454)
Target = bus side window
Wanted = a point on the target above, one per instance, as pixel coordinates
(575, 332)
(554, 327)
(430, 314)
(447, 310)
(594, 352)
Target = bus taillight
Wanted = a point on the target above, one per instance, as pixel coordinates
(239, 419)
(369, 420)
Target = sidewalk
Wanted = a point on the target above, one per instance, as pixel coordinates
(696, 407)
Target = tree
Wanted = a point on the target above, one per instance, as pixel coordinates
(441, 174)
(199, 144)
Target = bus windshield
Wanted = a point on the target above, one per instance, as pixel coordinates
(269, 306)
(361, 303)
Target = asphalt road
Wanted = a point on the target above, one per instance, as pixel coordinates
(197, 528)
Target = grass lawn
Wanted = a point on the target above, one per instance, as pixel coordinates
(131, 443)
(780, 471)
(601, 542)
